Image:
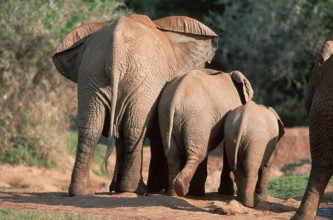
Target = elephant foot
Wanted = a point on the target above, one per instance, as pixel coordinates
(302, 216)
(248, 202)
(180, 187)
(140, 189)
(226, 191)
(262, 197)
(114, 187)
(196, 191)
(171, 193)
(80, 189)
(157, 188)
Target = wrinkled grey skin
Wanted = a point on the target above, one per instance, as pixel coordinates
(251, 133)
(191, 113)
(120, 71)
(319, 105)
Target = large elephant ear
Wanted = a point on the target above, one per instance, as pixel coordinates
(243, 86)
(279, 121)
(321, 66)
(66, 54)
(193, 42)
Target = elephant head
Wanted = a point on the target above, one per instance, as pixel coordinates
(120, 69)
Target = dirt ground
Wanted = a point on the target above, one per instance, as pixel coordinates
(33, 188)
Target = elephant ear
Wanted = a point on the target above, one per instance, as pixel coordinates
(321, 66)
(280, 123)
(66, 54)
(243, 86)
(194, 43)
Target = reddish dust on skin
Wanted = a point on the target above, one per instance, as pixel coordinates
(33, 188)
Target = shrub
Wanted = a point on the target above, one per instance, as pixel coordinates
(37, 104)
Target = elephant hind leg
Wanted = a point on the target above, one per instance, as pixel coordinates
(174, 163)
(90, 130)
(246, 187)
(197, 184)
(132, 180)
(263, 178)
(183, 180)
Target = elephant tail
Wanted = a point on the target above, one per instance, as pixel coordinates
(171, 117)
(240, 133)
(114, 85)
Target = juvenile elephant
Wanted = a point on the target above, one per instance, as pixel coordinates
(251, 133)
(191, 113)
(120, 69)
(319, 105)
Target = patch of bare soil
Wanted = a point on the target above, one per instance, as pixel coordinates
(33, 188)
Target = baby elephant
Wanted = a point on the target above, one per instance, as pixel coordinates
(191, 115)
(251, 133)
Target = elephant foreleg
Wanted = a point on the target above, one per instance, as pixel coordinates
(316, 186)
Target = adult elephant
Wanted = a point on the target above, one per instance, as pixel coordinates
(191, 113)
(251, 134)
(120, 69)
(319, 105)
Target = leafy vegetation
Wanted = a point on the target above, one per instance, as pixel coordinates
(37, 104)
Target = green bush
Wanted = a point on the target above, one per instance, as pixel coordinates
(37, 104)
